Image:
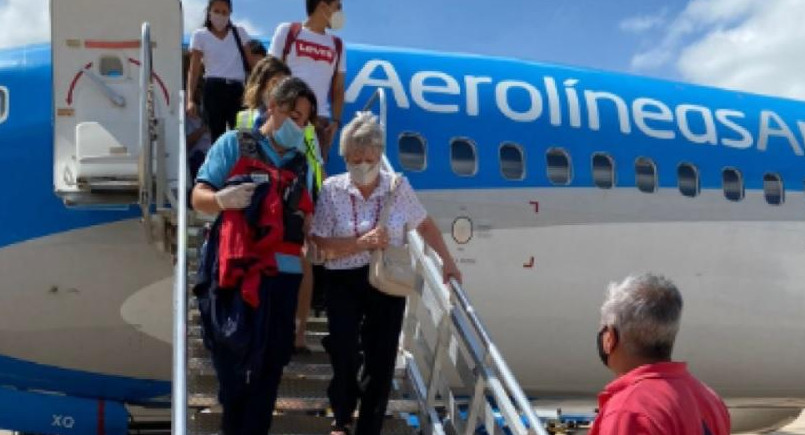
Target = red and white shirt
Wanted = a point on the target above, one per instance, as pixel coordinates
(660, 399)
(312, 58)
(342, 211)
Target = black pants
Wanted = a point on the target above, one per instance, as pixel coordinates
(364, 328)
(320, 281)
(248, 406)
(222, 102)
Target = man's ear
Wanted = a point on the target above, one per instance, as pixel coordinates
(610, 340)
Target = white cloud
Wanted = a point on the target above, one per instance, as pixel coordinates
(752, 45)
(250, 27)
(28, 21)
(643, 23)
(24, 22)
(193, 11)
(763, 53)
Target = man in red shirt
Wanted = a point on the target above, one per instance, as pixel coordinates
(651, 394)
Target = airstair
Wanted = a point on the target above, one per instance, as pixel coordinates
(119, 141)
(450, 377)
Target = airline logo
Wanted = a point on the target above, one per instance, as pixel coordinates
(567, 102)
(314, 51)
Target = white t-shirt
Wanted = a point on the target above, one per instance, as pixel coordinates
(221, 57)
(312, 58)
(341, 211)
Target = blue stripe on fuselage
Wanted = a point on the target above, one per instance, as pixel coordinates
(491, 127)
(27, 375)
(31, 210)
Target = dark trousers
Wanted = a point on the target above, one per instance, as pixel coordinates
(249, 404)
(222, 102)
(320, 281)
(364, 329)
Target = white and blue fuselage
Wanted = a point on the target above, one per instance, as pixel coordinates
(548, 182)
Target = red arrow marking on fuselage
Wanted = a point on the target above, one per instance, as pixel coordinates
(159, 81)
(74, 82)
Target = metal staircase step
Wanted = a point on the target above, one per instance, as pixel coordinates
(195, 345)
(202, 367)
(296, 424)
(314, 324)
(289, 404)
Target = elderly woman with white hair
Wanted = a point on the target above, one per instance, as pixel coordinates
(346, 228)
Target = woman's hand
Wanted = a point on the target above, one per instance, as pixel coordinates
(450, 270)
(378, 238)
(191, 109)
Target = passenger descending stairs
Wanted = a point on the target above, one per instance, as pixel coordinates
(302, 405)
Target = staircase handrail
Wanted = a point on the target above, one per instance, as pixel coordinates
(179, 390)
(501, 382)
(146, 141)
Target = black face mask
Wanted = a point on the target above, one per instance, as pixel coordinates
(600, 343)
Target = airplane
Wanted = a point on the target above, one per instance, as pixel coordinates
(548, 181)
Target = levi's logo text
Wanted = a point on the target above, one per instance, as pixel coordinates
(314, 51)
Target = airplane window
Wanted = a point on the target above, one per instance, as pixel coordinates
(111, 66)
(773, 189)
(463, 158)
(412, 148)
(688, 180)
(646, 172)
(511, 161)
(733, 184)
(3, 104)
(559, 171)
(603, 171)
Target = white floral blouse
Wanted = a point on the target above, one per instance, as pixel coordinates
(341, 211)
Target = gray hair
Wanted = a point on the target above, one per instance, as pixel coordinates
(645, 310)
(363, 132)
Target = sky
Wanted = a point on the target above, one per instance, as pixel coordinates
(752, 45)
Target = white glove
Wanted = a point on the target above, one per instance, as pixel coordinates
(235, 197)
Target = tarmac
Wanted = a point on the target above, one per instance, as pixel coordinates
(795, 428)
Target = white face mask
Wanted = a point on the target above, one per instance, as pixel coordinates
(219, 22)
(337, 20)
(363, 174)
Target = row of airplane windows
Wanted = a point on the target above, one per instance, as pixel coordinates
(464, 162)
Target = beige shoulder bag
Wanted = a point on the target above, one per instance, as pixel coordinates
(391, 270)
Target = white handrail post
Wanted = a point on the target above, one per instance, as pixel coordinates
(179, 391)
(146, 156)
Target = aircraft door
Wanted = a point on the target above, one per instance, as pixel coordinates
(97, 61)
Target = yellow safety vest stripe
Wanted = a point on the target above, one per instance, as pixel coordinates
(245, 118)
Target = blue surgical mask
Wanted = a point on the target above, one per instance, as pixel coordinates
(290, 136)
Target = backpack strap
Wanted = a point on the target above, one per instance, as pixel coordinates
(236, 34)
(249, 146)
(293, 35)
(339, 49)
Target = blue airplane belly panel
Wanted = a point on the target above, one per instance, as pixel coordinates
(61, 415)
